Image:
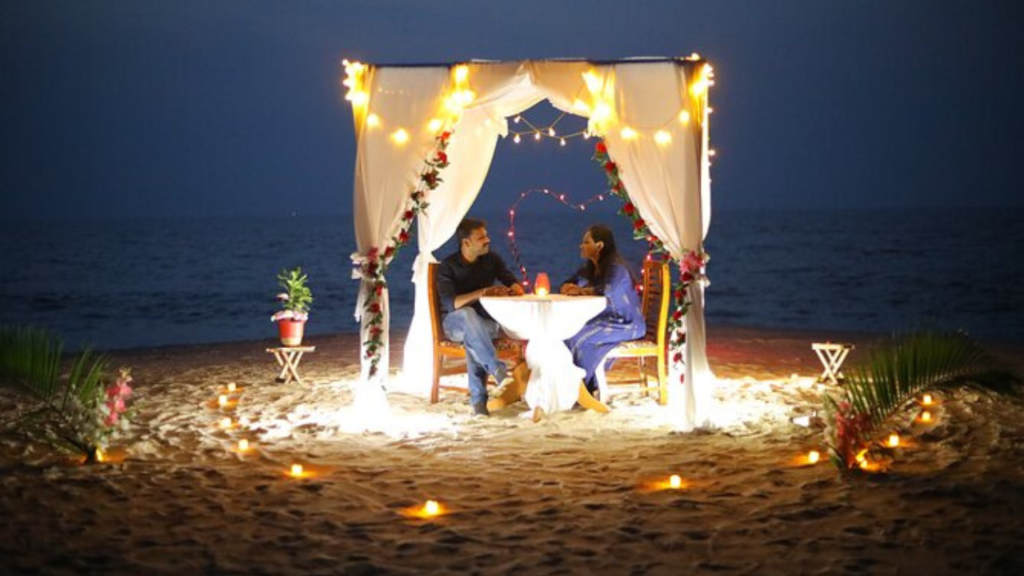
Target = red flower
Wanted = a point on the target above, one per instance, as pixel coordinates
(638, 223)
(609, 166)
(442, 157)
(618, 186)
(403, 236)
(601, 148)
(677, 314)
(679, 294)
(445, 135)
(372, 254)
(687, 277)
(389, 252)
(408, 215)
(371, 268)
(375, 308)
(678, 357)
(628, 208)
(430, 178)
(379, 289)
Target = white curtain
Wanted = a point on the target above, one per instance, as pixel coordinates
(658, 152)
(393, 139)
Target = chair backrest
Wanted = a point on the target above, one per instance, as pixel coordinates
(656, 299)
(434, 299)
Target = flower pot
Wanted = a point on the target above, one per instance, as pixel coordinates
(291, 331)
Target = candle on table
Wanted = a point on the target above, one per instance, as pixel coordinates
(222, 400)
(231, 387)
(894, 440)
(675, 481)
(243, 444)
(225, 422)
(543, 286)
(927, 400)
(813, 456)
(297, 470)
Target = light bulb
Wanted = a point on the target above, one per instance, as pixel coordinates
(516, 139)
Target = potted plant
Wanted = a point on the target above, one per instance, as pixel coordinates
(295, 301)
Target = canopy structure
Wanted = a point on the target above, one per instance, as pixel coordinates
(651, 113)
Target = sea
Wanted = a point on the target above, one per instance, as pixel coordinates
(116, 284)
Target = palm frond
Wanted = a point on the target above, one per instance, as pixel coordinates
(894, 374)
(30, 361)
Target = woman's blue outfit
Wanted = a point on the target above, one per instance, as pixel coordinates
(620, 321)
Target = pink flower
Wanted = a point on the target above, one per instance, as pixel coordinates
(111, 418)
(693, 262)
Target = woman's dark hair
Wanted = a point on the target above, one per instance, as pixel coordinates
(609, 255)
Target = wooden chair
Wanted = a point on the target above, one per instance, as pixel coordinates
(444, 348)
(651, 351)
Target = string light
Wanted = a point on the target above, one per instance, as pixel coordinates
(540, 132)
(511, 234)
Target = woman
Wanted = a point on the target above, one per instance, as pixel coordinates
(604, 274)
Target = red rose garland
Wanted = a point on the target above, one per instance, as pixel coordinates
(373, 266)
(691, 268)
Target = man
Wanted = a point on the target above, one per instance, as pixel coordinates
(462, 279)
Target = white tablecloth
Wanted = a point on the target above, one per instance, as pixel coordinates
(545, 321)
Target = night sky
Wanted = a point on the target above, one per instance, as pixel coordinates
(217, 108)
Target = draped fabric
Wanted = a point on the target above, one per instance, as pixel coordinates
(667, 180)
(387, 171)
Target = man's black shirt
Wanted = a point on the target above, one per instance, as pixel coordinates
(456, 276)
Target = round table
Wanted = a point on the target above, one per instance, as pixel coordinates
(545, 322)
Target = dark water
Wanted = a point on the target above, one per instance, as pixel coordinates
(151, 282)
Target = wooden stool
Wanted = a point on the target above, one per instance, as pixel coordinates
(832, 357)
(288, 357)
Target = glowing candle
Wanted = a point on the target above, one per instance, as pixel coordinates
(297, 470)
(99, 455)
(894, 440)
(926, 416)
(231, 387)
(675, 481)
(431, 508)
(543, 285)
(927, 400)
(243, 444)
(813, 456)
(222, 400)
(225, 423)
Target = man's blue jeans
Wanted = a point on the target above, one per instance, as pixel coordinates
(476, 334)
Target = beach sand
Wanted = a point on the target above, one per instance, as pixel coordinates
(578, 492)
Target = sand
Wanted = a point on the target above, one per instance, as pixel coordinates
(578, 492)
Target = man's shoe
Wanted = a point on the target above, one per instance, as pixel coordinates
(480, 409)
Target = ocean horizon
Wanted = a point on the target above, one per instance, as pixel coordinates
(115, 284)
